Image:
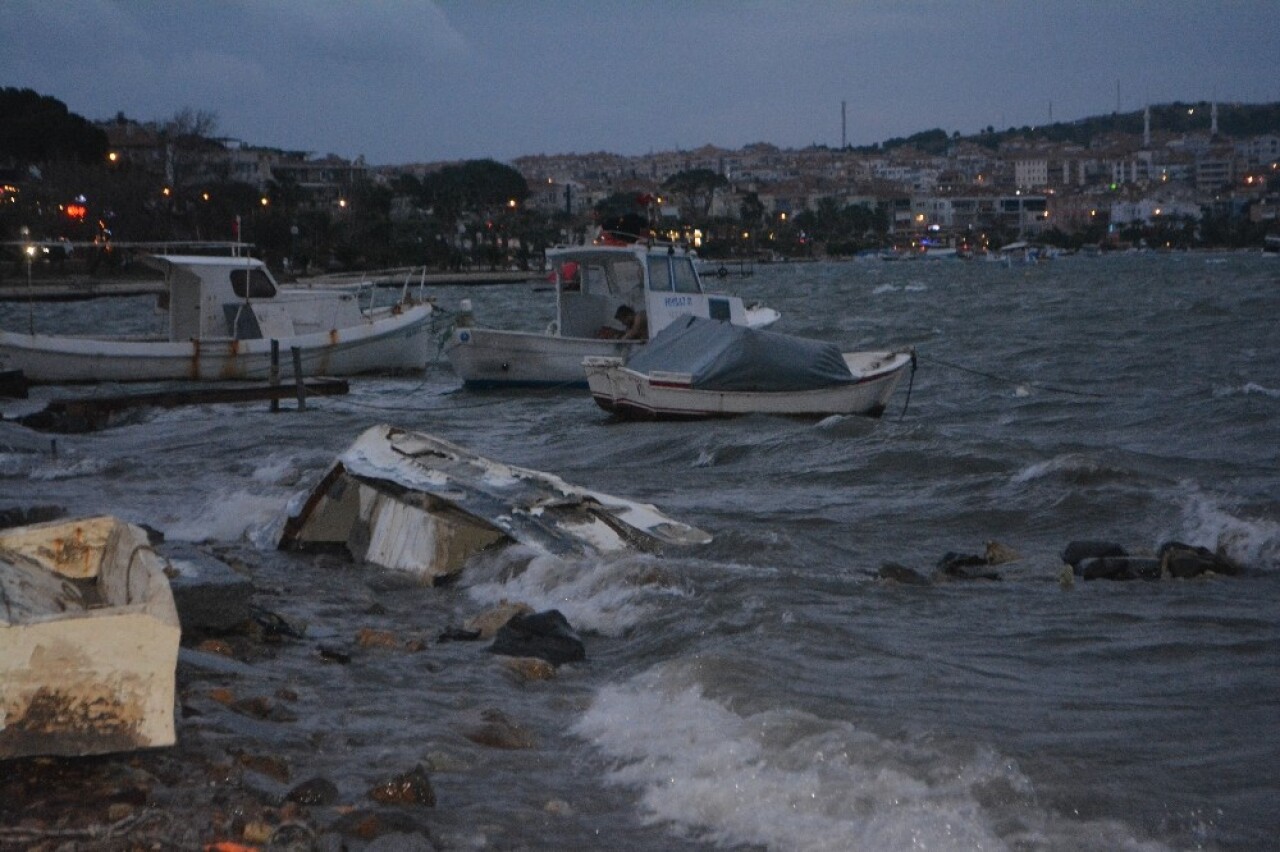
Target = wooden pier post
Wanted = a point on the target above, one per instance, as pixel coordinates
(297, 377)
(275, 373)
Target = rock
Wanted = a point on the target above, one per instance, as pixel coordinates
(370, 638)
(491, 621)
(497, 731)
(1118, 568)
(529, 668)
(16, 516)
(1079, 550)
(272, 767)
(409, 788)
(545, 634)
(901, 574)
(1185, 560)
(333, 655)
(399, 841)
(965, 566)
(458, 634)
(211, 598)
(998, 554)
(314, 791)
(292, 837)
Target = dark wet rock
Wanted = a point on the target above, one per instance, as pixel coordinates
(965, 566)
(492, 620)
(19, 516)
(292, 837)
(458, 634)
(998, 554)
(211, 598)
(272, 627)
(498, 731)
(402, 842)
(1118, 568)
(264, 764)
(1078, 551)
(261, 707)
(547, 635)
(529, 668)
(331, 654)
(1185, 560)
(370, 638)
(902, 574)
(314, 791)
(408, 788)
(368, 825)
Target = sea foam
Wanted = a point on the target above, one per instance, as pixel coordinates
(785, 779)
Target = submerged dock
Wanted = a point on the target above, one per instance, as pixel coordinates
(88, 414)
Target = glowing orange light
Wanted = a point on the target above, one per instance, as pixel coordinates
(76, 211)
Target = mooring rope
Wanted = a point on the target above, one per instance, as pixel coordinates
(1011, 381)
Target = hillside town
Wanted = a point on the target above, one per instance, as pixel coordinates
(1174, 176)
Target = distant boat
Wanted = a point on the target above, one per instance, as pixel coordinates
(88, 640)
(591, 283)
(698, 369)
(224, 313)
(1271, 245)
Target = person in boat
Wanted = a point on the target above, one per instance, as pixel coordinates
(637, 323)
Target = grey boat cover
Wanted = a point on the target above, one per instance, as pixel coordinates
(725, 357)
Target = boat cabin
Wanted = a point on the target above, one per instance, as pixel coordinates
(593, 282)
(212, 298)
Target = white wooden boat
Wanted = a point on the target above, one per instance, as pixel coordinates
(700, 369)
(88, 640)
(591, 283)
(420, 504)
(224, 313)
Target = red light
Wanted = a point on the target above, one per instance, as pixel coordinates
(76, 211)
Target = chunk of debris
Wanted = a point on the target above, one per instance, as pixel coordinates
(417, 503)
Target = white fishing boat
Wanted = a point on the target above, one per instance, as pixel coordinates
(88, 640)
(591, 284)
(225, 315)
(699, 369)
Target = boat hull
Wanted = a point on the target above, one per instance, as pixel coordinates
(88, 640)
(495, 358)
(491, 358)
(639, 396)
(397, 342)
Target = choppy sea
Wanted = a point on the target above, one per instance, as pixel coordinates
(767, 691)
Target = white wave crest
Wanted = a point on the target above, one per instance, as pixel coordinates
(784, 779)
(605, 597)
(231, 516)
(1207, 521)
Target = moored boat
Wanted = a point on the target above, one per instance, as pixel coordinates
(88, 640)
(700, 369)
(592, 283)
(225, 316)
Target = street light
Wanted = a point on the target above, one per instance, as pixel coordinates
(30, 251)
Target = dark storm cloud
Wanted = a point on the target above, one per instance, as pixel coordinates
(408, 80)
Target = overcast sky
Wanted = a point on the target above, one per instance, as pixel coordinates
(406, 81)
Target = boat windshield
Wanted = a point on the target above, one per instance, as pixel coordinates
(259, 285)
(668, 273)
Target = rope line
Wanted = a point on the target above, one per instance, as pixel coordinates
(1007, 380)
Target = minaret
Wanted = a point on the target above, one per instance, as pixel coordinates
(1146, 127)
(1213, 119)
